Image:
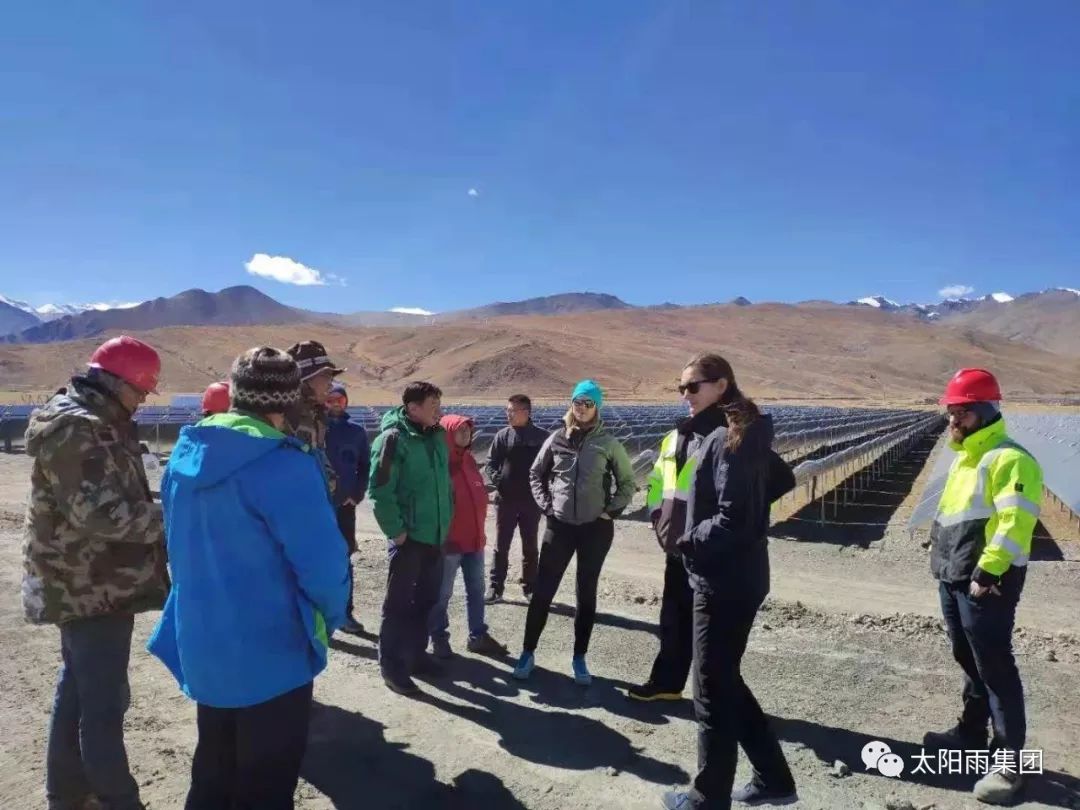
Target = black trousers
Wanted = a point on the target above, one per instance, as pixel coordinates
(413, 583)
(727, 712)
(591, 542)
(672, 665)
(520, 513)
(346, 521)
(249, 758)
(981, 634)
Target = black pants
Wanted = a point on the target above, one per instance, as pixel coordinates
(521, 513)
(672, 665)
(413, 583)
(591, 542)
(249, 759)
(727, 712)
(981, 634)
(346, 521)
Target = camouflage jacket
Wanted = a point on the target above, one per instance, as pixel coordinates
(94, 541)
(308, 424)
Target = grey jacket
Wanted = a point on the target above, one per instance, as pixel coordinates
(578, 478)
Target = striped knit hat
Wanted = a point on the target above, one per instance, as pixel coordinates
(265, 380)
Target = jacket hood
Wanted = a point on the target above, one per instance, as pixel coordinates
(222, 445)
(84, 396)
(759, 436)
(450, 423)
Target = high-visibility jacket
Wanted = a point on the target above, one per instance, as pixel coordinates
(669, 486)
(988, 509)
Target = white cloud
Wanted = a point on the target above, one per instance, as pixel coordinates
(472, 192)
(411, 311)
(289, 271)
(956, 291)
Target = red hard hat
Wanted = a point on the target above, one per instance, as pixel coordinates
(971, 385)
(131, 360)
(216, 398)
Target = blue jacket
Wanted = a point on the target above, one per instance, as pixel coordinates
(259, 573)
(347, 449)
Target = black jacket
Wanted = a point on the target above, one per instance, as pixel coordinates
(725, 547)
(510, 457)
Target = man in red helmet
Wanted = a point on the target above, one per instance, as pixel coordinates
(980, 545)
(216, 399)
(94, 556)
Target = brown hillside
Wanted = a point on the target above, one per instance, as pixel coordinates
(777, 350)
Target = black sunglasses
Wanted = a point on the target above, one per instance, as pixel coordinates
(695, 386)
(584, 403)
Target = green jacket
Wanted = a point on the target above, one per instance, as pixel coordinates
(410, 480)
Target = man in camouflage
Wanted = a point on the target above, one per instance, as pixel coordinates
(308, 421)
(94, 555)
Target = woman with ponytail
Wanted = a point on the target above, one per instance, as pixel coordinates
(724, 546)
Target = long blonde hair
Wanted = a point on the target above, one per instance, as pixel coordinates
(571, 422)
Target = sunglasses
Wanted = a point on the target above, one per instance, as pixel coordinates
(695, 386)
(584, 403)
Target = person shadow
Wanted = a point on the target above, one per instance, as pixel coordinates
(349, 761)
(560, 739)
(829, 743)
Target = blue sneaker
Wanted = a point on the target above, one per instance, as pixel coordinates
(581, 672)
(524, 666)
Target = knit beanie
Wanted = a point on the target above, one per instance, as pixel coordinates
(265, 380)
(338, 390)
(588, 389)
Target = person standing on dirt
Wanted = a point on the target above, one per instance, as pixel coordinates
(307, 420)
(464, 548)
(582, 480)
(980, 546)
(259, 584)
(94, 556)
(215, 399)
(413, 501)
(724, 548)
(510, 457)
(349, 454)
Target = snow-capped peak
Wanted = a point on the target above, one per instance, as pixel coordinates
(11, 302)
(1068, 289)
(878, 302)
(1002, 297)
(51, 312)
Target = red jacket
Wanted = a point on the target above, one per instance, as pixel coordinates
(470, 494)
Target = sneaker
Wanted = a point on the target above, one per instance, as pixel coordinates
(677, 800)
(440, 648)
(998, 788)
(486, 645)
(524, 667)
(352, 627)
(401, 685)
(756, 792)
(581, 672)
(493, 595)
(649, 691)
(959, 737)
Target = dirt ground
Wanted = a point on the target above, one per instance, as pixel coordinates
(848, 649)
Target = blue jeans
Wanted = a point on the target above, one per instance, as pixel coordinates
(86, 753)
(472, 571)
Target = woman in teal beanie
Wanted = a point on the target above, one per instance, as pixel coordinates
(582, 480)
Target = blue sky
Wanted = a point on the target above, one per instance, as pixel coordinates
(660, 151)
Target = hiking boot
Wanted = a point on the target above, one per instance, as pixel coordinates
(352, 627)
(402, 685)
(756, 792)
(527, 592)
(998, 788)
(492, 596)
(525, 665)
(649, 691)
(960, 737)
(678, 800)
(486, 645)
(582, 676)
(440, 648)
